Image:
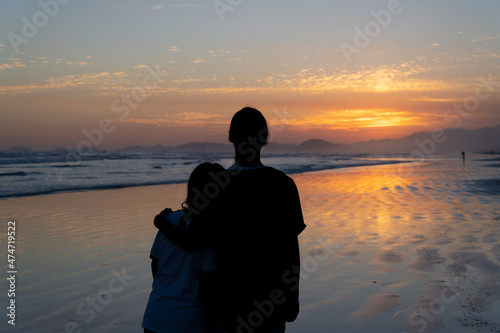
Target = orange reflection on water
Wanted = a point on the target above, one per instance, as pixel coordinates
(361, 201)
(382, 241)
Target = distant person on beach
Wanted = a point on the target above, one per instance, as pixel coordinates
(251, 216)
(175, 303)
(463, 155)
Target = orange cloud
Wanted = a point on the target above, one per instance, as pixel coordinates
(98, 81)
(13, 64)
(366, 118)
(187, 119)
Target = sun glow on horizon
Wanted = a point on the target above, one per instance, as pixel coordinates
(362, 118)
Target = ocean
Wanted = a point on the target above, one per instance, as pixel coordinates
(25, 173)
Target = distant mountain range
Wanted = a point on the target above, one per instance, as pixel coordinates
(422, 143)
(449, 140)
(427, 143)
(310, 146)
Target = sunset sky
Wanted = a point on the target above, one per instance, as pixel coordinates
(148, 72)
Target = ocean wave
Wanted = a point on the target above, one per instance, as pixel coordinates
(83, 188)
(118, 170)
(19, 174)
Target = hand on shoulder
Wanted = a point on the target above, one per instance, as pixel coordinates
(162, 217)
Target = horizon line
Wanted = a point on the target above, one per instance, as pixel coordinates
(229, 144)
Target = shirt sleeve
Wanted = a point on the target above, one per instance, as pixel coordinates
(295, 210)
(208, 260)
(157, 245)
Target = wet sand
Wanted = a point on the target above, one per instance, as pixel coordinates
(394, 248)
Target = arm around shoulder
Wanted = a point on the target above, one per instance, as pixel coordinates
(192, 238)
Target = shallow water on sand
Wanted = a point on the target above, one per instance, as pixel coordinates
(411, 248)
(408, 247)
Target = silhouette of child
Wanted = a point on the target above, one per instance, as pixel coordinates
(175, 305)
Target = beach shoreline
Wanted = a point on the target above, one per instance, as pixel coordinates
(381, 244)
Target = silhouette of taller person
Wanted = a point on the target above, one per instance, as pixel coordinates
(251, 216)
